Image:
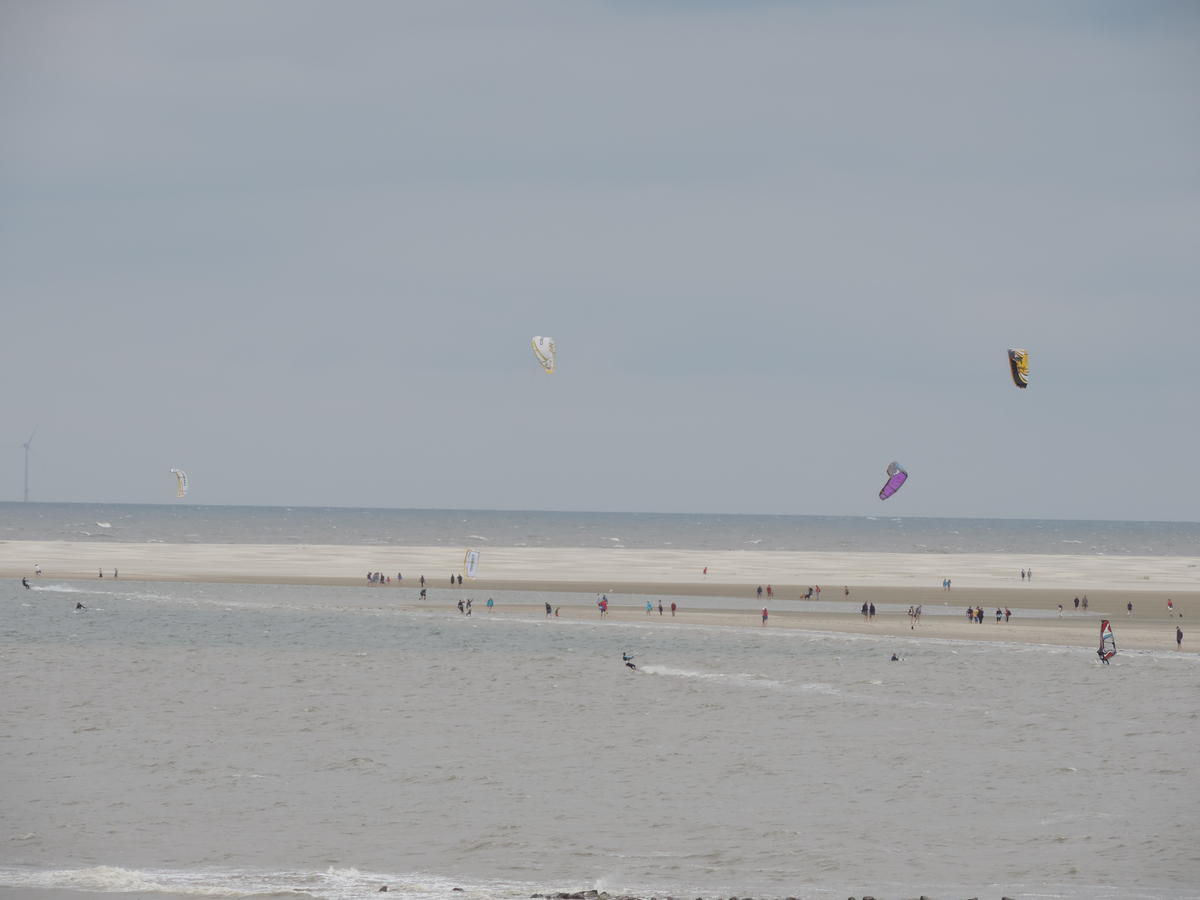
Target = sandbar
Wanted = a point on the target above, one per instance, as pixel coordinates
(628, 577)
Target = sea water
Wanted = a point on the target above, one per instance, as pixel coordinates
(187, 523)
(236, 741)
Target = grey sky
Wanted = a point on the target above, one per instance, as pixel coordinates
(299, 249)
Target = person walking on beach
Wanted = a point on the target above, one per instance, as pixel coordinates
(1085, 602)
(1077, 603)
(770, 592)
(871, 613)
(649, 607)
(422, 581)
(1129, 608)
(1178, 638)
(865, 609)
(660, 607)
(461, 608)
(672, 609)
(760, 592)
(846, 591)
(1007, 613)
(490, 604)
(547, 610)
(1060, 610)
(37, 568)
(764, 615)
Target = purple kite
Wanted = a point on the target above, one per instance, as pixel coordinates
(896, 477)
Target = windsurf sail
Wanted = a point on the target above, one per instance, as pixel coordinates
(181, 482)
(896, 477)
(1018, 362)
(544, 350)
(1108, 644)
(471, 562)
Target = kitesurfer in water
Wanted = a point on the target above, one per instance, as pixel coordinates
(895, 658)
(25, 583)
(79, 605)
(628, 660)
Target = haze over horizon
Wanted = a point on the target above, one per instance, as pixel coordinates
(300, 250)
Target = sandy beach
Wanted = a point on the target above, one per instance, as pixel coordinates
(628, 577)
(598, 568)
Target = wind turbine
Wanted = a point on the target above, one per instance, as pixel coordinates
(26, 446)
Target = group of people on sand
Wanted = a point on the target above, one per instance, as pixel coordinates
(661, 608)
(465, 607)
(975, 614)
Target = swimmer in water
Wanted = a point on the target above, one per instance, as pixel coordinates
(895, 658)
(628, 660)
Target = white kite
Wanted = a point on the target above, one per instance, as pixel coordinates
(543, 349)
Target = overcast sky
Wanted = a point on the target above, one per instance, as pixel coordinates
(299, 249)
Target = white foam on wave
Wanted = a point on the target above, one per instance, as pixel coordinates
(478, 537)
(94, 592)
(331, 884)
(104, 524)
(743, 678)
(59, 589)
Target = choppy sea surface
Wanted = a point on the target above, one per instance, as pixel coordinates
(186, 523)
(268, 741)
